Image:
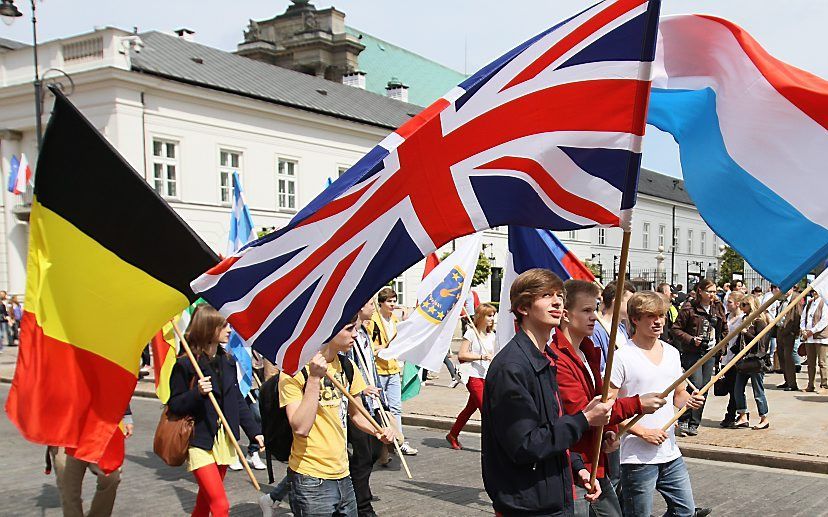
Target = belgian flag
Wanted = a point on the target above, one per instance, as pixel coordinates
(109, 264)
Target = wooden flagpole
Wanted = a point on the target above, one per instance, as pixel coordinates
(613, 332)
(218, 409)
(385, 418)
(709, 355)
(741, 353)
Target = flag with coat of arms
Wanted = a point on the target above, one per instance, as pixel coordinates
(424, 338)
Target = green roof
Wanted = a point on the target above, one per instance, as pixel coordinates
(381, 61)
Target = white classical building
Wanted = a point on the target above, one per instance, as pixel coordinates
(185, 116)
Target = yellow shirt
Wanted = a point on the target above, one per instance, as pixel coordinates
(384, 366)
(323, 454)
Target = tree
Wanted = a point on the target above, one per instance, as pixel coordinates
(732, 262)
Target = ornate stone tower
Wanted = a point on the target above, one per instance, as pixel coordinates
(304, 39)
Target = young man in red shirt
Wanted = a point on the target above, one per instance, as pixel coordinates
(579, 381)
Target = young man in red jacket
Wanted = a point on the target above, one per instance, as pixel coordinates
(579, 381)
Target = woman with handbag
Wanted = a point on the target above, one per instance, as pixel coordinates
(211, 449)
(475, 358)
(752, 367)
(724, 386)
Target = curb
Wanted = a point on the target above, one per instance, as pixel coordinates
(777, 460)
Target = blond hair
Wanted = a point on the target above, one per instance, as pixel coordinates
(645, 303)
(480, 313)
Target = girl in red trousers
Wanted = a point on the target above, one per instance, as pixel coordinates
(211, 449)
(475, 355)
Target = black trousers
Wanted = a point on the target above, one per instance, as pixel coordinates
(365, 450)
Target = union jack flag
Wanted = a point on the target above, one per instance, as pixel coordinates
(547, 136)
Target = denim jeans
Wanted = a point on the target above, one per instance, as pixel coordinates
(391, 386)
(606, 506)
(253, 447)
(757, 382)
(281, 489)
(315, 497)
(700, 378)
(4, 334)
(670, 479)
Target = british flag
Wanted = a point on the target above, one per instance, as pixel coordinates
(548, 136)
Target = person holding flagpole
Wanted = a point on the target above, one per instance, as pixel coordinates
(650, 458)
(211, 449)
(579, 381)
(476, 353)
(383, 328)
(527, 468)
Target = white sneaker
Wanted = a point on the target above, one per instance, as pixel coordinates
(255, 461)
(268, 505)
(408, 450)
(236, 465)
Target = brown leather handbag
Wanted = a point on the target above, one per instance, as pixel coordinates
(172, 436)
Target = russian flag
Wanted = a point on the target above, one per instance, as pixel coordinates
(530, 248)
(20, 175)
(753, 139)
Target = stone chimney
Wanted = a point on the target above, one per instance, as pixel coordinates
(396, 90)
(355, 79)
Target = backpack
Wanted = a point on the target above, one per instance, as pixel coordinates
(278, 435)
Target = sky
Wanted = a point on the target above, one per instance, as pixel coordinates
(462, 34)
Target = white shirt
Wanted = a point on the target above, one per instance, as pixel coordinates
(730, 326)
(477, 368)
(634, 374)
(586, 363)
(808, 323)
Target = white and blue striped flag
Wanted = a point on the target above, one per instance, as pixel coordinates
(241, 233)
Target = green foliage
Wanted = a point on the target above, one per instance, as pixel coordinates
(732, 262)
(482, 271)
(594, 268)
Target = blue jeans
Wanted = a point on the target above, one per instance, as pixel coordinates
(670, 479)
(391, 386)
(4, 334)
(253, 447)
(700, 377)
(757, 382)
(281, 489)
(606, 506)
(315, 497)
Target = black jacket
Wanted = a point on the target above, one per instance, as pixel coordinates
(689, 323)
(526, 464)
(188, 401)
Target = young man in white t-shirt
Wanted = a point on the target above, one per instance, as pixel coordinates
(650, 457)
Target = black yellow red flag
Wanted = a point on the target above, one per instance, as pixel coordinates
(109, 263)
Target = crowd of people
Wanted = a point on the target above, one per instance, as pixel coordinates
(539, 397)
(11, 312)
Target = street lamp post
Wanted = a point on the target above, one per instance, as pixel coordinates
(10, 12)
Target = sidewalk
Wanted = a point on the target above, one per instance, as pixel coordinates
(798, 421)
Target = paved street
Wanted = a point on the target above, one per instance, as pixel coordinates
(445, 482)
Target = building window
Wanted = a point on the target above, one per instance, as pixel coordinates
(342, 169)
(602, 236)
(165, 167)
(572, 235)
(229, 161)
(689, 241)
(286, 184)
(676, 238)
(645, 236)
(703, 243)
(399, 287)
(661, 229)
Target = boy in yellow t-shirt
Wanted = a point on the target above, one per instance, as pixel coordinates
(318, 412)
